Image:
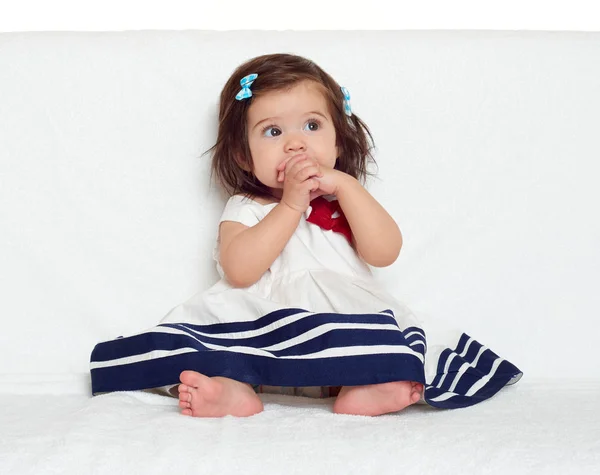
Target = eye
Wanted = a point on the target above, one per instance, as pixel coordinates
(271, 131)
(312, 125)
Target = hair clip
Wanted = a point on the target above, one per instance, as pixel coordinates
(246, 82)
(347, 108)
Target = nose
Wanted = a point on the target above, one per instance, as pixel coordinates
(295, 142)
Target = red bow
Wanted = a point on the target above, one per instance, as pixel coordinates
(322, 215)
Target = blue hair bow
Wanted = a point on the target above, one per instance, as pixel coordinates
(246, 82)
(347, 108)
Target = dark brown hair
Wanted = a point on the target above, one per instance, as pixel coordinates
(278, 72)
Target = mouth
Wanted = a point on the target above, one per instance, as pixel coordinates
(303, 154)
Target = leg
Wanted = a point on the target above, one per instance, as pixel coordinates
(201, 396)
(377, 399)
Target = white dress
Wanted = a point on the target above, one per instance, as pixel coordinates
(317, 317)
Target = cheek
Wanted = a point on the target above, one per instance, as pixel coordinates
(328, 145)
(260, 149)
(252, 144)
(256, 148)
(265, 156)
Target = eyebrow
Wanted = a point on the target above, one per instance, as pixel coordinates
(277, 117)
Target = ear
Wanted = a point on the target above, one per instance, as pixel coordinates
(242, 163)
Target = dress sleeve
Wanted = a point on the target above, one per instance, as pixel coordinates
(242, 210)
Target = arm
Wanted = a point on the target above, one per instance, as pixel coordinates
(376, 235)
(248, 252)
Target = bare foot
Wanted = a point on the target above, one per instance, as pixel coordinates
(376, 399)
(201, 396)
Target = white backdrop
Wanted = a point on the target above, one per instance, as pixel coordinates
(115, 15)
(488, 159)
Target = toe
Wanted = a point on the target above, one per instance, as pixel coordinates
(187, 412)
(192, 378)
(183, 390)
(185, 396)
(416, 393)
(186, 374)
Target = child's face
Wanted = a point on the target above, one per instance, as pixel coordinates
(282, 124)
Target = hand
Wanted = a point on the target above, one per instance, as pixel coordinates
(329, 179)
(300, 185)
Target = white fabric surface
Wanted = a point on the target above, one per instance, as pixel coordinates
(530, 428)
